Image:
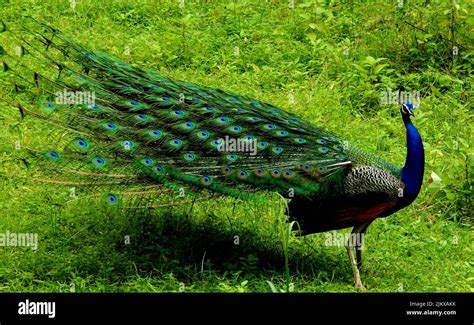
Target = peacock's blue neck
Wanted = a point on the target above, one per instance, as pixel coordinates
(412, 172)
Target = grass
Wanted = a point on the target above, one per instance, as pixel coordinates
(291, 58)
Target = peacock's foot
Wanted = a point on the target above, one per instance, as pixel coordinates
(359, 286)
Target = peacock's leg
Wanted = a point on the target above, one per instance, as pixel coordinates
(359, 244)
(359, 257)
(350, 246)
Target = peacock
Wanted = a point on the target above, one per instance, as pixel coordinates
(121, 126)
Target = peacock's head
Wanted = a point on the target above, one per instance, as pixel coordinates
(407, 109)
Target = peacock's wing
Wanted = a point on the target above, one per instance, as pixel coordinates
(116, 120)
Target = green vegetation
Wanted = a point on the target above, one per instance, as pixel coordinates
(326, 61)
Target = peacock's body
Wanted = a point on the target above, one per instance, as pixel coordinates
(121, 125)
